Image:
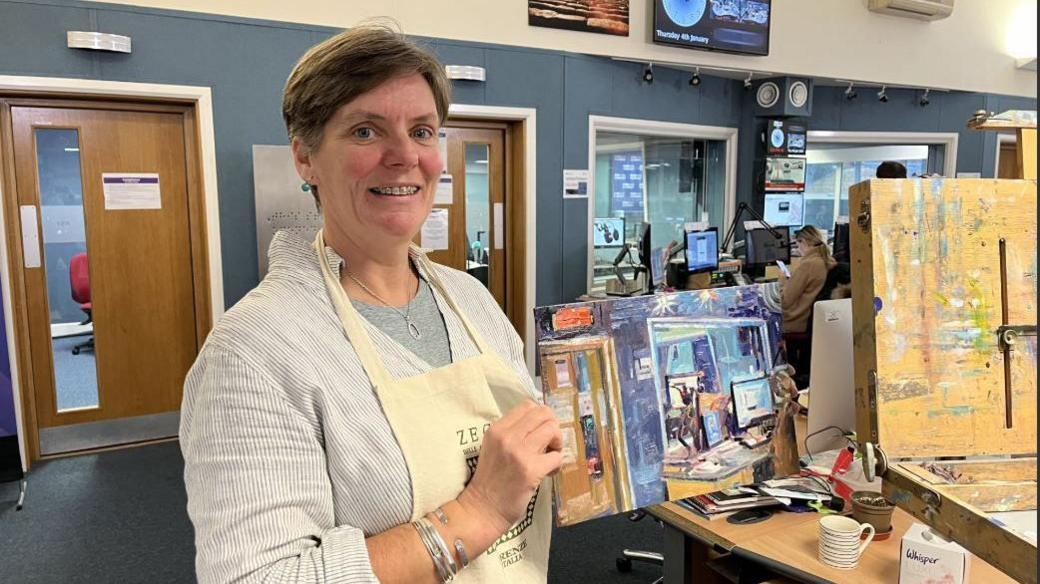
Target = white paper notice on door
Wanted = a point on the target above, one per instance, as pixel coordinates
(435, 230)
(125, 191)
(442, 146)
(445, 194)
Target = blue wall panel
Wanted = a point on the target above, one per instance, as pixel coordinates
(246, 62)
(33, 41)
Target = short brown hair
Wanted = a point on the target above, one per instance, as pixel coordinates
(355, 61)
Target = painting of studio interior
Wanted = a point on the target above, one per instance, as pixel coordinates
(656, 392)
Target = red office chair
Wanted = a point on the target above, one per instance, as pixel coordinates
(79, 278)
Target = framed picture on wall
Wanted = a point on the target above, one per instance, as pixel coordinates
(599, 16)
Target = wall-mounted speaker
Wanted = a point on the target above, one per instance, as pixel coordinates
(783, 96)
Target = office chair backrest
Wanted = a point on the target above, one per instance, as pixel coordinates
(79, 277)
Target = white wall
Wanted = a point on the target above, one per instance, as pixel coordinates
(837, 39)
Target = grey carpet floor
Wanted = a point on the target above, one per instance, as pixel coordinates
(120, 517)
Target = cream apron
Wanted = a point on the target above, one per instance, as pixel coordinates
(439, 419)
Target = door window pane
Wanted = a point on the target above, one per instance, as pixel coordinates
(68, 278)
(478, 222)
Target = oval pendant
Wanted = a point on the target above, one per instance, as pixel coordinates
(413, 330)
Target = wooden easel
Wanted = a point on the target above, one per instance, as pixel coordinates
(1024, 124)
(950, 423)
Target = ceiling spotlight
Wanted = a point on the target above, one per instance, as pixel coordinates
(882, 96)
(850, 93)
(924, 98)
(747, 82)
(696, 79)
(648, 73)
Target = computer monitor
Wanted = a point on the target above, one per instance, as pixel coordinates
(702, 250)
(785, 174)
(841, 242)
(831, 385)
(643, 246)
(752, 401)
(608, 232)
(764, 248)
(657, 266)
(785, 209)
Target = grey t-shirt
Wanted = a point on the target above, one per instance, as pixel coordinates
(432, 346)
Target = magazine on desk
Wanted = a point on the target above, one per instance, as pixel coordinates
(789, 493)
(650, 390)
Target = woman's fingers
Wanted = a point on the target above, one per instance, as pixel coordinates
(548, 463)
(515, 415)
(546, 437)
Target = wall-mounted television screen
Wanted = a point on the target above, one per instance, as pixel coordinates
(783, 138)
(732, 26)
(785, 174)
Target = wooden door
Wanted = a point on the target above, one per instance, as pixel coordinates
(1007, 160)
(478, 215)
(139, 249)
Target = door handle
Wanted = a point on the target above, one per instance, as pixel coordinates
(499, 232)
(30, 237)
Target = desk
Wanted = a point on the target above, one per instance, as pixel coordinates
(785, 543)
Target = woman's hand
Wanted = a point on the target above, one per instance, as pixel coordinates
(519, 450)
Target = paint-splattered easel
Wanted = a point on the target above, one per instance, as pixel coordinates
(944, 330)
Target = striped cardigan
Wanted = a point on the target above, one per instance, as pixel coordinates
(289, 461)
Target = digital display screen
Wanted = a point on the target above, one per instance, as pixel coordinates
(733, 26)
(702, 251)
(786, 209)
(752, 401)
(783, 138)
(608, 232)
(785, 174)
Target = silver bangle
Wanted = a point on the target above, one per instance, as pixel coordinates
(439, 513)
(435, 553)
(452, 567)
(462, 553)
(439, 551)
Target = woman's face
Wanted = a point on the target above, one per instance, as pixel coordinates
(803, 247)
(378, 163)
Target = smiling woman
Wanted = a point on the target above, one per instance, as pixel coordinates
(365, 414)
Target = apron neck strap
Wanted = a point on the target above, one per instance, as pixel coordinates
(348, 317)
(428, 269)
(353, 327)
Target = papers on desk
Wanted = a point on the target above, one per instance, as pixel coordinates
(785, 492)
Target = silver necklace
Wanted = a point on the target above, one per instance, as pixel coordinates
(412, 329)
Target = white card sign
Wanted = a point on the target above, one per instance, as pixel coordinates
(575, 183)
(445, 194)
(435, 230)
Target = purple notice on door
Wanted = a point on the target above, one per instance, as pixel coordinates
(129, 191)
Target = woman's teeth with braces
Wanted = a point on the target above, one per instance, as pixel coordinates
(399, 191)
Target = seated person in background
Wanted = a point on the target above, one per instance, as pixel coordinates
(798, 294)
(890, 169)
(838, 284)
